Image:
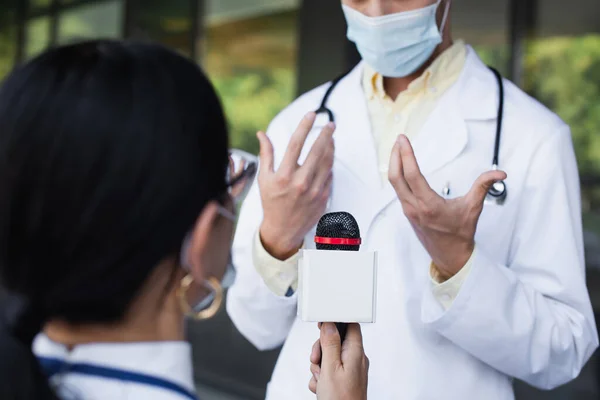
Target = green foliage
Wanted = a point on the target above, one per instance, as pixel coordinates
(38, 37)
(564, 74)
(251, 99)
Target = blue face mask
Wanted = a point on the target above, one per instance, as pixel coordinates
(396, 45)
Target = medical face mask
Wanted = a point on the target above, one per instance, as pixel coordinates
(396, 45)
(230, 272)
(226, 282)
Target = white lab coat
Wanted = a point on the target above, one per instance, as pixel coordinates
(523, 311)
(170, 362)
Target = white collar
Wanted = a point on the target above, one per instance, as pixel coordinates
(171, 361)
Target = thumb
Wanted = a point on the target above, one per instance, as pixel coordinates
(331, 347)
(266, 152)
(483, 184)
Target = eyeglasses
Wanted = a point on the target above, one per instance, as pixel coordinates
(241, 173)
(242, 170)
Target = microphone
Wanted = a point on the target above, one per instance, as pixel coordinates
(338, 231)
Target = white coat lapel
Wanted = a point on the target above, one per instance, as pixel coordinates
(441, 140)
(478, 93)
(354, 144)
(445, 134)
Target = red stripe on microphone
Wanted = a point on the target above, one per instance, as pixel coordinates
(342, 241)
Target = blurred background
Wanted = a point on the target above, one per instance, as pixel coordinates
(261, 54)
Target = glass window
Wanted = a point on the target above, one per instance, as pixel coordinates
(37, 34)
(250, 52)
(562, 70)
(166, 22)
(484, 25)
(99, 20)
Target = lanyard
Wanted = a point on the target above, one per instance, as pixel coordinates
(54, 366)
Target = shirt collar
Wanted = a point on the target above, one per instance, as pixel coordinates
(171, 361)
(440, 75)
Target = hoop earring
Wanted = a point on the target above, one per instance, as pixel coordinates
(214, 307)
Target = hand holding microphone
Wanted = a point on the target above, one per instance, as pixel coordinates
(340, 369)
(294, 197)
(338, 285)
(338, 231)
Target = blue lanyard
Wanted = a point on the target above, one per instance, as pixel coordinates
(53, 366)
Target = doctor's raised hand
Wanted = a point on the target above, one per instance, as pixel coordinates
(445, 227)
(294, 197)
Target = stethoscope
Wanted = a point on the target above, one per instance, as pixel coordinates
(498, 191)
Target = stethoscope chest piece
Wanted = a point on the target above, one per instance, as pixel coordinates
(497, 192)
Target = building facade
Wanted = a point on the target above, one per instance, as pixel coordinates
(261, 54)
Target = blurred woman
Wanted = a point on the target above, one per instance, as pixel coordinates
(116, 214)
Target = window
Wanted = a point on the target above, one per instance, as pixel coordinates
(99, 20)
(562, 70)
(166, 22)
(250, 53)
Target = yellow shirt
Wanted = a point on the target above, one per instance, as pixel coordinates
(389, 118)
(409, 111)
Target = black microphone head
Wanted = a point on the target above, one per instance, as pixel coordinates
(338, 225)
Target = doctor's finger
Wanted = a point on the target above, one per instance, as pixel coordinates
(323, 178)
(290, 159)
(266, 153)
(482, 185)
(412, 173)
(396, 176)
(321, 153)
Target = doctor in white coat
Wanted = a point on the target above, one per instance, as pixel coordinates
(472, 291)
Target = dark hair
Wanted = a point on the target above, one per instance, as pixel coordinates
(108, 153)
